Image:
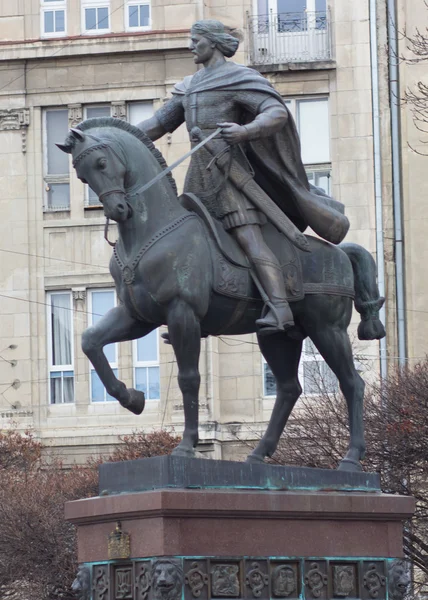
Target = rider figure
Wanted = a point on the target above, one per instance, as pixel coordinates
(241, 102)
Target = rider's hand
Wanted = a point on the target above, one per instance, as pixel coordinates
(233, 133)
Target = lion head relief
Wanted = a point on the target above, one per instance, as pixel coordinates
(167, 579)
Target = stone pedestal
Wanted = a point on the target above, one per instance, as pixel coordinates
(276, 533)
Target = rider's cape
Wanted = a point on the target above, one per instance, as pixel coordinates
(276, 159)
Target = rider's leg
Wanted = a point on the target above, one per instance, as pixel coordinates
(269, 272)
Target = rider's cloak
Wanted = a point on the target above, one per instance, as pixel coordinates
(276, 160)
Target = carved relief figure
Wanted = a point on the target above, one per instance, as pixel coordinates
(284, 581)
(343, 580)
(81, 586)
(225, 581)
(167, 579)
(398, 579)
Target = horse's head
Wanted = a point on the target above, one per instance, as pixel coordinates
(100, 162)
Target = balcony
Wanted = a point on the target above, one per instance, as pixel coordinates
(276, 39)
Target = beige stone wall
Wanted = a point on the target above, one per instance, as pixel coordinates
(113, 69)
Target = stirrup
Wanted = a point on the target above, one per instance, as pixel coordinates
(272, 321)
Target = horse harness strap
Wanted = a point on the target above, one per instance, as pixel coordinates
(128, 268)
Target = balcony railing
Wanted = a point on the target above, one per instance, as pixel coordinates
(289, 37)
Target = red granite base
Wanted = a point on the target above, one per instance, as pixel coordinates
(237, 523)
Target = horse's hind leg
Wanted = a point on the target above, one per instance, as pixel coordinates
(328, 331)
(282, 355)
(185, 335)
(116, 326)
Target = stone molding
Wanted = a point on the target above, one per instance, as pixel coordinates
(15, 119)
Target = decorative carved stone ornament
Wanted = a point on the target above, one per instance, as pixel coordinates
(374, 581)
(123, 583)
(75, 114)
(256, 580)
(343, 580)
(316, 580)
(119, 544)
(167, 579)
(15, 119)
(118, 110)
(196, 579)
(225, 581)
(101, 583)
(284, 581)
(143, 580)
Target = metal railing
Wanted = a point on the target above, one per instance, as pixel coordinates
(278, 38)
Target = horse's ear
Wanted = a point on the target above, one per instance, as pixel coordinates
(77, 134)
(64, 147)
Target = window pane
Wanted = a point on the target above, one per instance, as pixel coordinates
(144, 15)
(147, 347)
(269, 381)
(97, 111)
(133, 16)
(141, 380)
(93, 199)
(98, 391)
(102, 302)
(68, 387)
(139, 111)
(320, 5)
(90, 18)
(154, 387)
(59, 20)
(59, 195)
(291, 6)
(56, 131)
(61, 329)
(314, 131)
(56, 397)
(102, 18)
(49, 21)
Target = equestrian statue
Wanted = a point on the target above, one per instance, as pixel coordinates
(228, 256)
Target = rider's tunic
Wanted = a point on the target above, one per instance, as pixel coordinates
(205, 110)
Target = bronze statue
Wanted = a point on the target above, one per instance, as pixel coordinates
(264, 144)
(174, 264)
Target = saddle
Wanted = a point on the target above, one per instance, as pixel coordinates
(232, 268)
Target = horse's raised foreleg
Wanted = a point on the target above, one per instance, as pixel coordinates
(282, 355)
(332, 342)
(185, 335)
(116, 326)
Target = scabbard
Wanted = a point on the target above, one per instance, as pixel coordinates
(244, 182)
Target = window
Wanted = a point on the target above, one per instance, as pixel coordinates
(315, 375)
(56, 162)
(53, 18)
(139, 111)
(90, 112)
(95, 16)
(146, 365)
(137, 15)
(100, 302)
(60, 350)
(312, 120)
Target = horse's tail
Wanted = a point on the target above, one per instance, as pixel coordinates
(367, 300)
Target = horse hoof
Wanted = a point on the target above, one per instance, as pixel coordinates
(254, 459)
(136, 401)
(184, 452)
(347, 464)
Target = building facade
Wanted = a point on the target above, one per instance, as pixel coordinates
(62, 61)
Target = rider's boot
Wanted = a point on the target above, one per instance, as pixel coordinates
(277, 315)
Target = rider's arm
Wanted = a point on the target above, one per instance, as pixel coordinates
(271, 118)
(166, 120)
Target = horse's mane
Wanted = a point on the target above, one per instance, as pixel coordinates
(135, 131)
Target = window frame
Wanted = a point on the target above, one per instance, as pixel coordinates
(129, 3)
(136, 364)
(60, 178)
(54, 6)
(59, 368)
(313, 168)
(95, 4)
(114, 365)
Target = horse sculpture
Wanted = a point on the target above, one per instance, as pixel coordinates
(173, 265)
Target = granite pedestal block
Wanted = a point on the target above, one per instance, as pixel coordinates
(277, 533)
